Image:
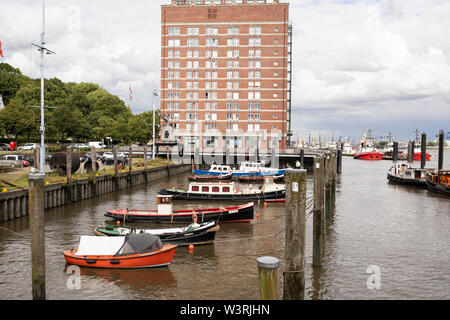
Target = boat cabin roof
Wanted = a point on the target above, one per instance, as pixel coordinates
(217, 167)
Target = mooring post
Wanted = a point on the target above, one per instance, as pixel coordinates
(130, 159)
(441, 150)
(295, 221)
(423, 151)
(145, 159)
(395, 152)
(333, 177)
(94, 170)
(339, 159)
(318, 170)
(410, 151)
(302, 158)
(327, 183)
(36, 182)
(36, 157)
(268, 277)
(69, 174)
(116, 169)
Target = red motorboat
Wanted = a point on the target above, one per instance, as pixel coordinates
(131, 251)
(418, 156)
(368, 154)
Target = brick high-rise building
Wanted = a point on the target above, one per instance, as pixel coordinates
(226, 71)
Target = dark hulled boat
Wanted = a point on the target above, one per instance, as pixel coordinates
(192, 234)
(227, 191)
(166, 214)
(404, 174)
(439, 181)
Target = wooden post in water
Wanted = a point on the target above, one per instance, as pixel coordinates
(395, 152)
(441, 150)
(36, 157)
(116, 169)
(145, 159)
(318, 221)
(423, 151)
(410, 151)
(302, 158)
(295, 221)
(130, 159)
(327, 182)
(268, 277)
(69, 174)
(333, 177)
(339, 159)
(36, 182)
(94, 170)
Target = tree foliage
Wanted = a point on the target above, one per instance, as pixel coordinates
(80, 111)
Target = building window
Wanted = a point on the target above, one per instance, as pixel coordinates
(255, 30)
(191, 31)
(212, 42)
(174, 42)
(192, 42)
(174, 31)
(254, 42)
(212, 30)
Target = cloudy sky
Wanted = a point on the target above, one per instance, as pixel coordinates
(358, 65)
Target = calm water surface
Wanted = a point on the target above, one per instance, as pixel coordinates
(405, 231)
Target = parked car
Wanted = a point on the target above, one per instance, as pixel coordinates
(13, 161)
(80, 146)
(28, 146)
(4, 147)
(108, 155)
(98, 156)
(120, 161)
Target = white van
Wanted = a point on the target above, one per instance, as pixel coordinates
(97, 144)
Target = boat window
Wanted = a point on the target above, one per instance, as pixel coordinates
(226, 189)
(215, 189)
(195, 188)
(205, 189)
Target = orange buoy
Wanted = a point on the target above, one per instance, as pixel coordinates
(265, 204)
(118, 222)
(257, 215)
(191, 247)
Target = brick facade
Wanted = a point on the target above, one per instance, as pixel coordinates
(224, 69)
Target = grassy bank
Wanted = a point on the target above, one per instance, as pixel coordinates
(18, 179)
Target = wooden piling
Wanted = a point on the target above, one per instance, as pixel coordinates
(423, 150)
(302, 158)
(327, 182)
(268, 277)
(318, 169)
(395, 152)
(339, 160)
(410, 152)
(295, 221)
(36, 156)
(69, 174)
(130, 159)
(36, 191)
(441, 150)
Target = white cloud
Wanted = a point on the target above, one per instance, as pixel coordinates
(355, 63)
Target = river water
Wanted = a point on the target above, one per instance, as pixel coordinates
(403, 231)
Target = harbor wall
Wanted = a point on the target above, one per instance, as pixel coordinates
(14, 204)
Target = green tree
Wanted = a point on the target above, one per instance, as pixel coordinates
(19, 120)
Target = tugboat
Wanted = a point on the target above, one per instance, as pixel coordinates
(404, 174)
(227, 191)
(439, 181)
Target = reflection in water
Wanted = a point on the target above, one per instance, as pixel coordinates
(404, 231)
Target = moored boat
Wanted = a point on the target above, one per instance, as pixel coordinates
(227, 191)
(259, 179)
(368, 154)
(404, 174)
(192, 234)
(246, 168)
(439, 181)
(131, 251)
(210, 177)
(166, 214)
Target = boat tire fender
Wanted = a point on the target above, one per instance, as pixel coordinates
(128, 218)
